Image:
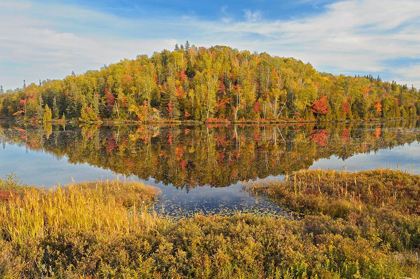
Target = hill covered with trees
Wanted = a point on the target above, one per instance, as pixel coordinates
(214, 84)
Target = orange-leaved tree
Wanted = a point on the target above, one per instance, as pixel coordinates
(320, 106)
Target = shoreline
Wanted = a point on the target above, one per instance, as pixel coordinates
(180, 122)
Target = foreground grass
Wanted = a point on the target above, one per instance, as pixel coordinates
(381, 207)
(105, 230)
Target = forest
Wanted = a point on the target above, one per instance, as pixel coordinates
(216, 84)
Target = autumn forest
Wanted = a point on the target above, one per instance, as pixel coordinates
(217, 84)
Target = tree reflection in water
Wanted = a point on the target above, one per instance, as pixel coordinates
(188, 156)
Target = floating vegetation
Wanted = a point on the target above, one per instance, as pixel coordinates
(176, 212)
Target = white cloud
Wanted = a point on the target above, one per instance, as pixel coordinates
(15, 5)
(32, 47)
(347, 37)
(225, 16)
(355, 35)
(410, 75)
(252, 16)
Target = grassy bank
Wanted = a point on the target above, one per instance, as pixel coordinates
(380, 207)
(348, 227)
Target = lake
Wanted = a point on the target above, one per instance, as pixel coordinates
(203, 168)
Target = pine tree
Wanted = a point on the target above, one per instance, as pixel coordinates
(55, 110)
(40, 109)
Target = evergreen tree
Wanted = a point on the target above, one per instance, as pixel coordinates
(40, 110)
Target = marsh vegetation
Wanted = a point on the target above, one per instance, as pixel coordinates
(347, 225)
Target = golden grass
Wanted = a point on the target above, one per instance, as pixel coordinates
(349, 227)
(101, 207)
(337, 192)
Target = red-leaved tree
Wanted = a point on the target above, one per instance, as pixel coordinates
(170, 109)
(320, 106)
(346, 108)
(110, 99)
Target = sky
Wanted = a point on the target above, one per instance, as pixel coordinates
(49, 39)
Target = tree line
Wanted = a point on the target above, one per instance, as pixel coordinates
(217, 84)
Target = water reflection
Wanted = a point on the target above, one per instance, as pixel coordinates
(206, 164)
(215, 155)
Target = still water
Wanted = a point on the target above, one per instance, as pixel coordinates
(203, 168)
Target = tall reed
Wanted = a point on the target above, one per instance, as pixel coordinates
(101, 207)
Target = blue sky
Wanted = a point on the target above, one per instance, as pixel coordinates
(50, 39)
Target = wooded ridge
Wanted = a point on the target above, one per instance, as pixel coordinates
(217, 84)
